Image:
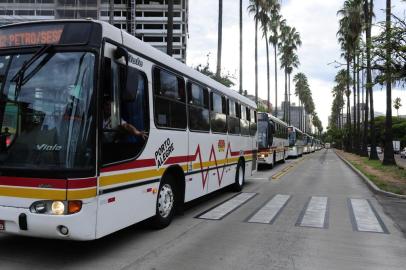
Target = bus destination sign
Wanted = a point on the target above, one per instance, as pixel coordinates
(30, 36)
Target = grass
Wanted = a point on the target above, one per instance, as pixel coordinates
(379, 174)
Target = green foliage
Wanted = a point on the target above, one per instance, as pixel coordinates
(223, 79)
(398, 129)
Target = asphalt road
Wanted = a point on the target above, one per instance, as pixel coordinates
(311, 213)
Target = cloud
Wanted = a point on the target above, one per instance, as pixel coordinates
(317, 23)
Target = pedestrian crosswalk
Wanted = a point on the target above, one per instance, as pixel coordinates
(315, 213)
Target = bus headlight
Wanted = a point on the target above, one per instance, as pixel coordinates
(56, 207)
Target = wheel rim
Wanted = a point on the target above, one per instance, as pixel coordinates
(240, 176)
(165, 200)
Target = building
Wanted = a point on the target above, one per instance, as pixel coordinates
(298, 117)
(145, 19)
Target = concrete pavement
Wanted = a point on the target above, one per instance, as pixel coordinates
(318, 215)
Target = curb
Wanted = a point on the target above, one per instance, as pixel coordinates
(369, 183)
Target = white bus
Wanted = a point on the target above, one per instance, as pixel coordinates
(103, 131)
(272, 139)
(296, 142)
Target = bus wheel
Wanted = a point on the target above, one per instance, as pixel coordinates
(165, 205)
(239, 177)
(284, 156)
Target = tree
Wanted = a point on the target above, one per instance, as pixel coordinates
(223, 79)
(388, 154)
(289, 43)
(253, 8)
(301, 91)
(397, 104)
(241, 19)
(219, 38)
(275, 24)
(368, 10)
(264, 19)
(169, 38)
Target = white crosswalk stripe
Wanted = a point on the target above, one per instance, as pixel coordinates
(315, 214)
(269, 212)
(364, 217)
(227, 207)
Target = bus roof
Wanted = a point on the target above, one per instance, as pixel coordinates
(147, 51)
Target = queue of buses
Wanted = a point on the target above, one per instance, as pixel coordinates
(100, 131)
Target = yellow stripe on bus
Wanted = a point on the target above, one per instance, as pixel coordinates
(128, 177)
(33, 193)
(82, 194)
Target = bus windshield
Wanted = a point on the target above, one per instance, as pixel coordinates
(47, 114)
(262, 134)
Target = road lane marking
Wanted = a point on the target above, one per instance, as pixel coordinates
(225, 208)
(364, 217)
(269, 212)
(286, 169)
(314, 214)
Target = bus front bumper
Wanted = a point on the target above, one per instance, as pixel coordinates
(80, 226)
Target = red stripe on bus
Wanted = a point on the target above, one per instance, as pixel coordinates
(131, 165)
(82, 183)
(179, 159)
(32, 182)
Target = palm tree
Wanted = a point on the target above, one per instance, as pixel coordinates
(169, 37)
(301, 91)
(219, 38)
(289, 43)
(275, 24)
(349, 34)
(265, 21)
(241, 47)
(397, 104)
(388, 156)
(368, 11)
(254, 8)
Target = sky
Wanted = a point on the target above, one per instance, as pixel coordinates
(317, 23)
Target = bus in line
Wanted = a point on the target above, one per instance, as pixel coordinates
(102, 131)
(272, 139)
(296, 142)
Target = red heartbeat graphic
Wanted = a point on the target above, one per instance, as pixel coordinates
(212, 155)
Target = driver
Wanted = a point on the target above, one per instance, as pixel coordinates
(127, 127)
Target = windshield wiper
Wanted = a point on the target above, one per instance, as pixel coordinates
(19, 76)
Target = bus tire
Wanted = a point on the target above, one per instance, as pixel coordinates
(165, 204)
(284, 156)
(239, 177)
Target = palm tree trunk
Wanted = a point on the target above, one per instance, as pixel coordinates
(349, 136)
(276, 82)
(267, 68)
(241, 90)
(285, 118)
(355, 135)
(219, 38)
(373, 155)
(359, 136)
(289, 99)
(169, 35)
(256, 53)
(388, 157)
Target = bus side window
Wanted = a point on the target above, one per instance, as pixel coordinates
(218, 109)
(198, 105)
(245, 126)
(169, 100)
